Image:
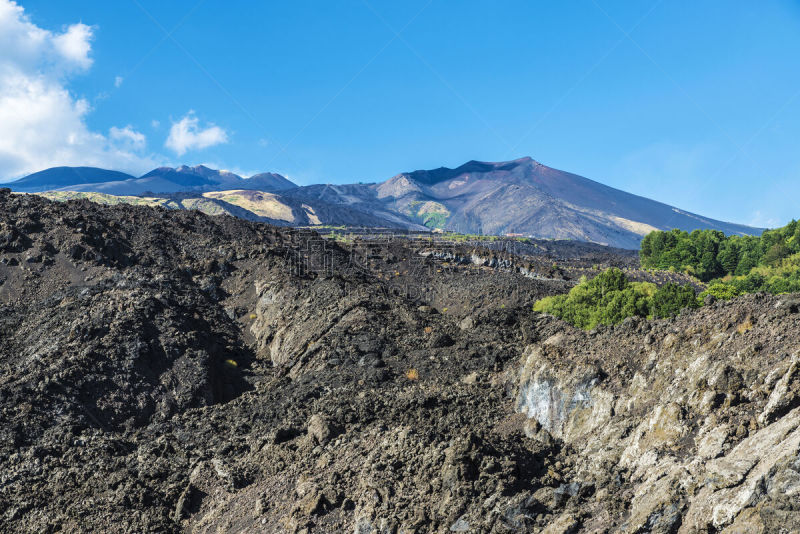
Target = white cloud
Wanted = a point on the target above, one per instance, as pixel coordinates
(118, 81)
(74, 45)
(41, 123)
(129, 137)
(186, 135)
(155, 124)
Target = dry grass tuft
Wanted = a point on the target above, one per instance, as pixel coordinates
(412, 374)
(745, 326)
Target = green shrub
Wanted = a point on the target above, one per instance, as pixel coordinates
(609, 298)
(721, 291)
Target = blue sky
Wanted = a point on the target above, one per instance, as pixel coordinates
(691, 103)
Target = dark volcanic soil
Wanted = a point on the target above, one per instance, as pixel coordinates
(167, 371)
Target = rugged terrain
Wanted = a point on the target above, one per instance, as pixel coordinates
(170, 371)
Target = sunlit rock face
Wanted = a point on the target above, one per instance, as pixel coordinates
(692, 426)
(566, 405)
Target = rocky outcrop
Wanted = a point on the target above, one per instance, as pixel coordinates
(168, 371)
(691, 426)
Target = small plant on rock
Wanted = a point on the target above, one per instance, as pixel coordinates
(745, 326)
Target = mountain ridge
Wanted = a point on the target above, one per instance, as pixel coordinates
(617, 215)
(55, 177)
(520, 197)
(159, 180)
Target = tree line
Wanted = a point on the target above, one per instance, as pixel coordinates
(732, 264)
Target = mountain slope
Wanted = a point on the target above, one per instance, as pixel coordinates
(160, 180)
(261, 206)
(58, 177)
(526, 197)
(269, 181)
(201, 177)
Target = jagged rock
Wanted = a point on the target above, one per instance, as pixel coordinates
(170, 371)
(785, 395)
(319, 429)
(461, 525)
(565, 524)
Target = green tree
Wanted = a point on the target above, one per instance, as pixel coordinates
(776, 252)
(671, 298)
(728, 256)
(770, 262)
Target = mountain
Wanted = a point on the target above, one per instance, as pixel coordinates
(525, 197)
(160, 180)
(515, 197)
(58, 177)
(520, 197)
(202, 178)
(269, 181)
